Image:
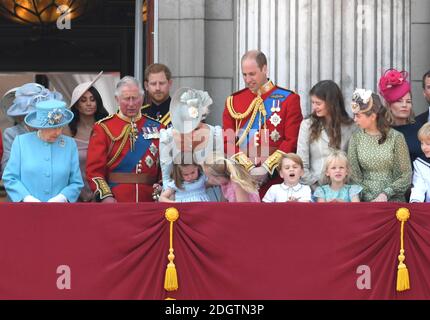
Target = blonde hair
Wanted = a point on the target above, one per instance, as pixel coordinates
(424, 132)
(291, 156)
(222, 167)
(335, 155)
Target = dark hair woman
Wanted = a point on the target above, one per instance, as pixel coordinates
(87, 107)
(328, 128)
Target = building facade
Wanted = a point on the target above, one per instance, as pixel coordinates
(349, 41)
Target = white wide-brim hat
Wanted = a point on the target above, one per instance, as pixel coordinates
(188, 107)
(82, 88)
(49, 114)
(25, 97)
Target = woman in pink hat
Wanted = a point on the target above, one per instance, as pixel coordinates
(395, 88)
(87, 107)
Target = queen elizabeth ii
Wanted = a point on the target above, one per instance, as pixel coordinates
(44, 164)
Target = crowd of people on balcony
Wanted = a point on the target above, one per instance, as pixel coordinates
(265, 151)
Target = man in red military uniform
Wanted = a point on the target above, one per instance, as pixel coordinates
(261, 122)
(123, 159)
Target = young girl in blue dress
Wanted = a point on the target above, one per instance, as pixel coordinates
(336, 175)
(187, 184)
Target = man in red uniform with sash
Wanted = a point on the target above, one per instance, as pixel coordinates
(123, 158)
(261, 122)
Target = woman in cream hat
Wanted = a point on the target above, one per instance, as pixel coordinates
(190, 134)
(19, 102)
(87, 107)
(378, 154)
(44, 164)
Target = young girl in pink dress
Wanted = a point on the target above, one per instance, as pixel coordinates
(235, 182)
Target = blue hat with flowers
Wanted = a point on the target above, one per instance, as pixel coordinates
(49, 114)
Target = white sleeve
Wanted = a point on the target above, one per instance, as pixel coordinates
(270, 195)
(418, 191)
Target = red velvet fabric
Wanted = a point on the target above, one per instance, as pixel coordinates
(223, 251)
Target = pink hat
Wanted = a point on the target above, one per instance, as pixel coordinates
(394, 85)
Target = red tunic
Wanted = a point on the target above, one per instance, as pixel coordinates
(282, 124)
(114, 168)
(290, 114)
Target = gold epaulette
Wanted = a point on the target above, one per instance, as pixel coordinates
(102, 188)
(146, 106)
(273, 161)
(292, 91)
(105, 118)
(243, 160)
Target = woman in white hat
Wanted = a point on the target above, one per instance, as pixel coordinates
(24, 100)
(87, 107)
(190, 134)
(44, 164)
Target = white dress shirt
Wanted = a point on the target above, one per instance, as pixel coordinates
(284, 193)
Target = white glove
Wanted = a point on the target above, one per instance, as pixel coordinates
(58, 198)
(30, 198)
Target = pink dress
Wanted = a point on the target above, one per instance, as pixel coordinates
(229, 192)
(86, 193)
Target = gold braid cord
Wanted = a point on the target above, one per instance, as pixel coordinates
(124, 135)
(273, 161)
(171, 278)
(403, 284)
(257, 105)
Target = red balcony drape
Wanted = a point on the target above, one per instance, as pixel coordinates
(223, 251)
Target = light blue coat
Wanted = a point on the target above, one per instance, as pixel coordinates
(43, 170)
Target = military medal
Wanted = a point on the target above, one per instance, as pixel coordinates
(153, 149)
(149, 162)
(275, 106)
(275, 119)
(275, 136)
(256, 139)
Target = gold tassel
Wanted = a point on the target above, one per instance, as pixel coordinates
(403, 284)
(171, 278)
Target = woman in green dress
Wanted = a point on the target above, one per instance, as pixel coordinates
(378, 155)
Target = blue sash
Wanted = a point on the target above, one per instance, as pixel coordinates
(131, 159)
(278, 95)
